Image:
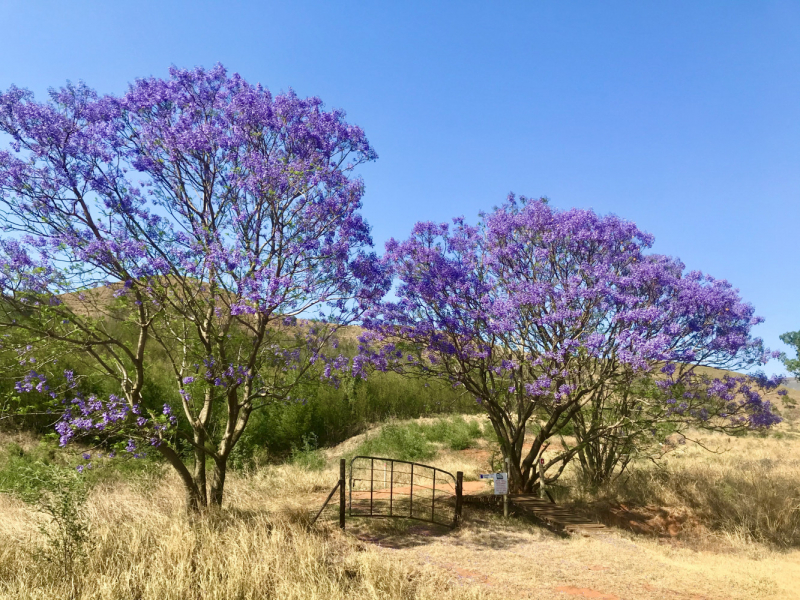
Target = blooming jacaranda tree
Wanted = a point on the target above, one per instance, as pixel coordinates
(540, 314)
(196, 218)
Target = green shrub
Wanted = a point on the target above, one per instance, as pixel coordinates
(333, 415)
(488, 433)
(22, 473)
(62, 499)
(59, 493)
(417, 441)
(401, 442)
(308, 455)
(455, 433)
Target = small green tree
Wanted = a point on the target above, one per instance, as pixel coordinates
(792, 338)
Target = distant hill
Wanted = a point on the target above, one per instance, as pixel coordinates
(96, 301)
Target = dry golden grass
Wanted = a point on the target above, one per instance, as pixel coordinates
(145, 547)
(746, 489)
(259, 545)
(720, 559)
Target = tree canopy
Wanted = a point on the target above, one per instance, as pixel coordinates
(792, 338)
(198, 217)
(540, 312)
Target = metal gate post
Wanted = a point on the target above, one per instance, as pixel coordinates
(342, 477)
(459, 486)
(391, 489)
(433, 497)
(371, 483)
(411, 494)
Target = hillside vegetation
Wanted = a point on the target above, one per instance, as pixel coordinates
(119, 529)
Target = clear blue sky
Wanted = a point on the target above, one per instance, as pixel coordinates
(681, 116)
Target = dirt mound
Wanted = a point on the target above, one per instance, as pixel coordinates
(659, 521)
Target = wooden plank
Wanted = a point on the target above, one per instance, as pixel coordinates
(553, 516)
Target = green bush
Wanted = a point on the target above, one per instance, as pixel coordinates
(22, 473)
(455, 433)
(333, 415)
(43, 479)
(67, 531)
(418, 441)
(308, 455)
(401, 442)
(488, 433)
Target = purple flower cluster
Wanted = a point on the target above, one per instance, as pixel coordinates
(33, 381)
(197, 194)
(734, 399)
(552, 302)
(270, 153)
(88, 416)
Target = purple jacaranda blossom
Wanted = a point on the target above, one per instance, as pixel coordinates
(112, 416)
(203, 209)
(542, 311)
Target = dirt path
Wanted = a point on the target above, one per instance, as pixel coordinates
(513, 560)
(664, 555)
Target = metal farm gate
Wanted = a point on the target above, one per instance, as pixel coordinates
(383, 487)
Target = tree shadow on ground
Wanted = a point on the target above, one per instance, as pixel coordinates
(480, 527)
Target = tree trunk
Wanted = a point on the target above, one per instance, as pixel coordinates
(199, 474)
(195, 501)
(217, 482)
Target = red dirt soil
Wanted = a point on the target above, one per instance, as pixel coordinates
(651, 520)
(585, 592)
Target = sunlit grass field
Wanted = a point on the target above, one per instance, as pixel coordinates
(731, 530)
(259, 546)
